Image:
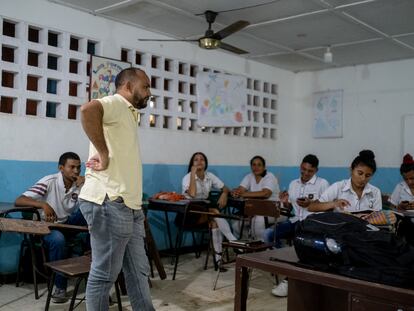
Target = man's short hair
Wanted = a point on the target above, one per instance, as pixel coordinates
(312, 160)
(66, 156)
(128, 74)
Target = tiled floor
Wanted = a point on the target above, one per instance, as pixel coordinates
(192, 290)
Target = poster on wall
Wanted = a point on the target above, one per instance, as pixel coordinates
(327, 112)
(222, 100)
(102, 76)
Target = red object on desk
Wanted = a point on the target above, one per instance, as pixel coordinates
(169, 196)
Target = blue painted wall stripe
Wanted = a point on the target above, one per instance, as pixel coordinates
(17, 176)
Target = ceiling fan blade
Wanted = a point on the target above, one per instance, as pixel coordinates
(232, 48)
(227, 31)
(168, 40)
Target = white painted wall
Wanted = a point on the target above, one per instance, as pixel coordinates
(49, 138)
(375, 99)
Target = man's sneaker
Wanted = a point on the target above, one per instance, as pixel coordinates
(281, 290)
(59, 296)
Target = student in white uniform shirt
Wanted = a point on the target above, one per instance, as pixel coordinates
(302, 191)
(57, 197)
(259, 184)
(354, 195)
(197, 184)
(403, 198)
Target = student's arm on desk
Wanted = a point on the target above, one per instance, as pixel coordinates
(222, 201)
(50, 214)
(92, 122)
(317, 206)
(262, 194)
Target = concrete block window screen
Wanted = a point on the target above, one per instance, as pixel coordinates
(175, 106)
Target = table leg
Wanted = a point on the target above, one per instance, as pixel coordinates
(167, 223)
(241, 285)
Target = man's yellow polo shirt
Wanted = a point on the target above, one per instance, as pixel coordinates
(123, 177)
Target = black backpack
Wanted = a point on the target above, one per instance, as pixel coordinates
(347, 245)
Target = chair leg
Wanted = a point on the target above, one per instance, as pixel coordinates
(23, 246)
(178, 244)
(208, 251)
(75, 293)
(118, 296)
(49, 290)
(197, 253)
(33, 259)
(219, 265)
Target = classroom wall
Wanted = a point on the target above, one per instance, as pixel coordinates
(375, 99)
(30, 146)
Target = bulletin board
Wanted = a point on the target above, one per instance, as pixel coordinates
(102, 76)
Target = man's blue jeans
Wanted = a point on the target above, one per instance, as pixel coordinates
(283, 229)
(55, 243)
(117, 241)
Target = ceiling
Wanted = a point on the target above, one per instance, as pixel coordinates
(288, 34)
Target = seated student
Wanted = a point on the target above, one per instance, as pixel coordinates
(259, 184)
(403, 198)
(302, 191)
(57, 197)
(197, 184)
(354, 195)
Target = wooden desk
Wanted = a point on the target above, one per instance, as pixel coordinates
(311, 290)
(7, 208)
(35, 227)
(240, 203)
(174, 207)
(183, 207)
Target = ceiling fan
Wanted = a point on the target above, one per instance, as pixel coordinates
(212, 40)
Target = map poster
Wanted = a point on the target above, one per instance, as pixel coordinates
(327, 111)
(222, 100)
(102, 76)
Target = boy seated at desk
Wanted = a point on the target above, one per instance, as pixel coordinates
(403, 198)
(57, 197)
(302, 192)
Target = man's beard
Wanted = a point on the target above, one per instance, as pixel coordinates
(140, 102)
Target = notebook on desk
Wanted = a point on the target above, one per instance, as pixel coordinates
(247, 242)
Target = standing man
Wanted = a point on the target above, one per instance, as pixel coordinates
(56, 196)
(112, 194)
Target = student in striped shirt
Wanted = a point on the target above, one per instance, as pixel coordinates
(56, 196)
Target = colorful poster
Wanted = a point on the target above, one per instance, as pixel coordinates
(103, 73)
(327, 109)
(222, 100)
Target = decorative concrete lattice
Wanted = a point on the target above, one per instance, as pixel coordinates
(173, 84)
(44, 71)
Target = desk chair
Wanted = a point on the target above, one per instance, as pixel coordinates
(75, 267)
(185, 223)
(253, 207)
(30, 243)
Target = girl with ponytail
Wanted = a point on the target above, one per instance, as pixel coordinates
(353, 195)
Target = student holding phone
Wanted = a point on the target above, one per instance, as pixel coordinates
(403, 198)
(302, 191)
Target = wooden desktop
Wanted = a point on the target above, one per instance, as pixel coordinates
(311, 290)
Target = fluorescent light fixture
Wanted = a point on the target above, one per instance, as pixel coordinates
(327, 57)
